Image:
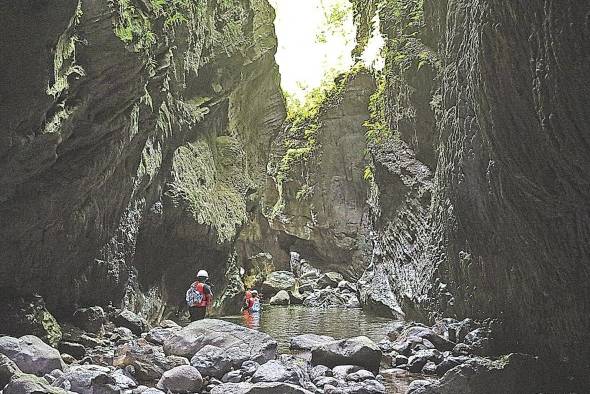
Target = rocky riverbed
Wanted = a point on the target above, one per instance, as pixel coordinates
(119, 352)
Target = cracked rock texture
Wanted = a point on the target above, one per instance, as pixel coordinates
(481, 200)
(318, 203)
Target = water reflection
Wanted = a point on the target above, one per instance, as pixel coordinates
(251, 320)
(282, 323)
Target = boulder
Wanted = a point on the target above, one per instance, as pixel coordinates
(275, 371)
(75, 350)
(346, 285)
(326, 298)
(26, 384)
(90, 319)
(183, 379)
(295, 297)
(148, 361)
(360, 376)
(31, 354)
(327, 380)
(123, 380)
(233, 377)
(426, 333)
(459, 330)
(212, 361)
(238, 342)
(514, 373)
(342, 371)
(259, 388)
(7, 370)
(158, 335)
(449, 363)
(281, 298)
(370, 386)
(249, 367)
(89, 342)
(277, 281)
(357, 351)
(319, 371)
(308, 341)
(480, 342)
(121, 335)
(132, 321)
(329, 279)
(87, 379)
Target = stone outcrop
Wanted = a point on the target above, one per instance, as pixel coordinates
(316, 195)
(133, 138)
(480, 189)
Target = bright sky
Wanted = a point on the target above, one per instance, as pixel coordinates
(303, 60)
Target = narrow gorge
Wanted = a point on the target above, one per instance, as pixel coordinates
(446, 192)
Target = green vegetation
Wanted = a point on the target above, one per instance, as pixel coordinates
(199, 187)
(377, 127)
(334, 22)
(300, 143)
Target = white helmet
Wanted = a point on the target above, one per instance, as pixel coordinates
(202, 274)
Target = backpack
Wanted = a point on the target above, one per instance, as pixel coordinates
(255, 306)
(193, 296)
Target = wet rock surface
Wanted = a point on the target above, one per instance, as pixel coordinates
(240, 343)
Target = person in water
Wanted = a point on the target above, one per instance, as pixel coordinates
(199, 296)
(252, 302)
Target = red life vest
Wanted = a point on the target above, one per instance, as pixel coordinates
(200, 287)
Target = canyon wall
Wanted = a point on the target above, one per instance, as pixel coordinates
(481, 198)
(133, 138)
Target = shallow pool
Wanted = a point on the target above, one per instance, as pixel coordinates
(282, 323)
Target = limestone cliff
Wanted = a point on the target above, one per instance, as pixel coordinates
(316, 195)
(481, 198)
(133, 137)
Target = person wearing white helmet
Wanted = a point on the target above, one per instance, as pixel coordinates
(199, 296)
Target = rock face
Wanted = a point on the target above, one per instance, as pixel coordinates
(31, 354)
(239, 343)
(481, 200)
(142, 143)
(183, 379)
(316, 195)
(355, 351)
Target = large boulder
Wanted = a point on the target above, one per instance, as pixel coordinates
(158, 335)
(148, 361)
(212, 361)
(259, 388)
(514, 373)
(281, 298)
(132, 321)
(277, 281)
(439, 342)
(87, 379)
(90, 319)
(356, 351)
(308, 341)
(239, 343)
(275, 371)
(329, 279)
(31, 354)
(7, 370)
(26, 384)
(183, 379)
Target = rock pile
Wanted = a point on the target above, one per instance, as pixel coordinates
(311, 288)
